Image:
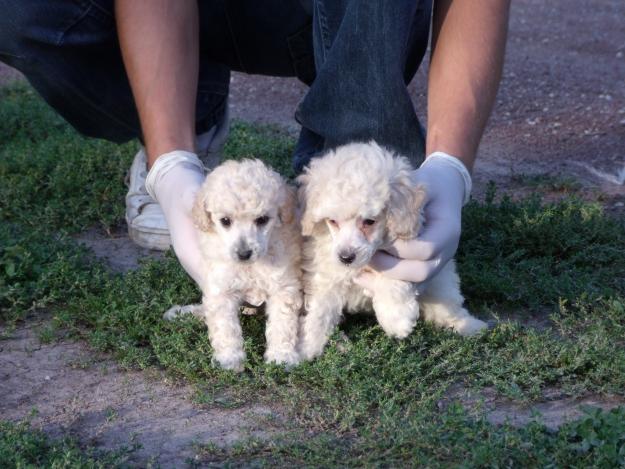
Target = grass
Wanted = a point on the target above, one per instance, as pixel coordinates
(24, 447)
(369, 400)
(528, 254)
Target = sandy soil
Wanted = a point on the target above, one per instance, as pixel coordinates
(560, 111)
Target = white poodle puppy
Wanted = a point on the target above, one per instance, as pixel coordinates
(356, 200)
(251, 243)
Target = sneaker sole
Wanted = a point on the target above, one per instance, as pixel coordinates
(155, 241)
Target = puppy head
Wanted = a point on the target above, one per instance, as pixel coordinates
(363, 195)
(243, 203)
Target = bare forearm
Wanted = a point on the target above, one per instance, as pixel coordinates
(467, 57)
(160, 46)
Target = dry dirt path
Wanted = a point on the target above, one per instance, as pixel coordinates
(65, 388)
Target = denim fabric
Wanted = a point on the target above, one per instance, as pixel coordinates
(68, 50)
(365, 54)
(69, 53)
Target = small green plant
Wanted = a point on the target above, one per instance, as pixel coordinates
(599, 436)
(23, 446)
(526, 253)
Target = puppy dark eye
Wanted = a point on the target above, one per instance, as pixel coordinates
(225, 221)
(368, 222)
(333, 222)
(262, 221)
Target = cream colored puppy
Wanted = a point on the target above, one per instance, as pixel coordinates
(356, 200)
(250, 240)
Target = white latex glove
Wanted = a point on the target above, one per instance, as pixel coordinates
(173, 181)
(448, 186)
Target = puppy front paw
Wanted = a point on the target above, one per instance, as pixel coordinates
(469, 326)
(397, 321)
(286, 357)
(232, 360)
(177, 310)
(310, 349)
(400, 328)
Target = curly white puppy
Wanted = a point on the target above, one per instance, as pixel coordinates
(356, 200)
(251, 242)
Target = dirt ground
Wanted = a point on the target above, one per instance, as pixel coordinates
(560, 112)
(70, 390)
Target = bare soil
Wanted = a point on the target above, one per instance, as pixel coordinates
(117, 251)
(65, 388)
(554, 409)
(560, 112)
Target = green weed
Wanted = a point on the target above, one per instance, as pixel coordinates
(526, 253)
(23, 447)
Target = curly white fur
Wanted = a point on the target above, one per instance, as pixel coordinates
(251, 243)
(355, 200)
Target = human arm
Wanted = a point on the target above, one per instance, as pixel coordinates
(468, 44)
(159, 41)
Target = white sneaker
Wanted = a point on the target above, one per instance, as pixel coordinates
(146, 223)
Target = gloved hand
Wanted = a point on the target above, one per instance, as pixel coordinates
(448, 186)
(173, 181)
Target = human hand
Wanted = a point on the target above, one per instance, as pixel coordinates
(173, 181)
(367, 279)
(448, 186)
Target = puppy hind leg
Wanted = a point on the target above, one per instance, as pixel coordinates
(442, 302)
(396, 307)
(452, 315)
(282, 326)
(225, 333)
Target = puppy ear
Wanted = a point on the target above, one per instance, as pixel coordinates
(287, 211)
(201, 217)
(308, 225)
(304, 195)
(405, 207)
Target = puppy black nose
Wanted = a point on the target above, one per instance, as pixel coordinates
(347, 257)
(244, 255)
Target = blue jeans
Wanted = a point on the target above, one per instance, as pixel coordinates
(357, 56)
(366, 52)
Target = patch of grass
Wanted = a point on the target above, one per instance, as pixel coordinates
(52, 178)
(267, 142)
(38, 269)
(370, 400)
(447, 439)
(526, 253)
(23, 447)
